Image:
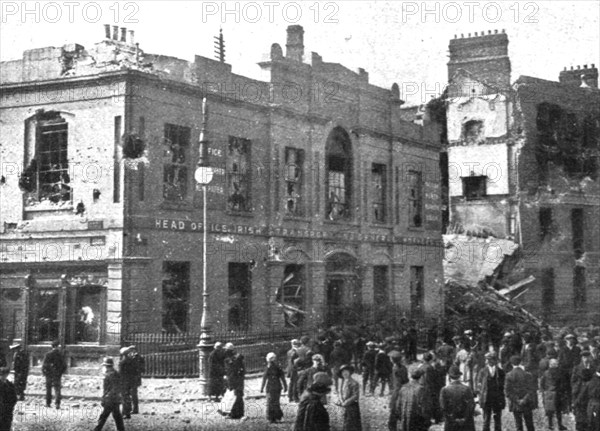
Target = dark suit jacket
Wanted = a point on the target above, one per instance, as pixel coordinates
(456, 402)
(486, 394)
(520, 388)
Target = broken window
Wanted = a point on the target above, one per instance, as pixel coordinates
(291, 295)
(378, 191)
(339, 175)
(545, 219)
(473, 132)
(175, 296)
(548, 123)
(591, 145)
(547, 282)
(417, 290)
(240, 285)
(380, 285)
(577, 231)
(87, 314)
(238, 174)
(175, 177)
(474, 187)
(579, 294)
(294, 164)
(45, 323)
(415, 199)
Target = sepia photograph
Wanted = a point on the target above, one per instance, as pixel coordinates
(299, 215)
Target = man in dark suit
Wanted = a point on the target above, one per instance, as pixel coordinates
(521, 391)
(568, 357)
(457, 404)
(582, 374)
(490, 389)
(53, 368)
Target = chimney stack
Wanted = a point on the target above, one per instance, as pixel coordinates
(574, 77)
(107, 31)
(294, 48)
(123, 34)
(131, 39)
(115, 32)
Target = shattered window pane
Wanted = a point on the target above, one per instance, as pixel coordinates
(415, 199)
(338, 164)
(378, 191)
(294, 161)
(175, 296)
(238, 174)
(44, 317)
(336, 176)
(291, 295)
(175, 177)
(53, 163)
(473, 132)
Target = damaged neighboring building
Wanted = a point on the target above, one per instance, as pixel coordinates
(523, 166)
(319, 209)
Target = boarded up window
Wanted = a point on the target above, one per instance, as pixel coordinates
(175, 174)
(378, 192)
(294, 170)
(240, 285)
(415, 199)
(238, 174)
(175, 296)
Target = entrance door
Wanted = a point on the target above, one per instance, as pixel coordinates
(335, 295)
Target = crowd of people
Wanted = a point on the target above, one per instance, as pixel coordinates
(521, 371)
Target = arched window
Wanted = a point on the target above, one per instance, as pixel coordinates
(338, 165)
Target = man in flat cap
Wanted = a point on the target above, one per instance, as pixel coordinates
(411, 406)
(53, 368)
(140, 368)
(521, 390)
(8, 399)
(111, 396)
(568, 357)
(457, 403)
(21, 369)
(368, 367)
(490, 389)
(128, 372)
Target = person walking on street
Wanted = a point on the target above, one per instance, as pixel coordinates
(383, 370)
(411, 405)
(236, 374)
(553, 388)
(581, 375)
(521, 390)
(53, 367)
(216, 372)
(368, 367)
(399, 379)
(490, 389)
(8, 399)
(457, 403)
(140, 368)
(340, 356)
(21, 369)
(111, 396)
(312, 414)
(305, 377)
(349, 395)
(291, 372)
(274, 380)
(128, 373)
(591, 394)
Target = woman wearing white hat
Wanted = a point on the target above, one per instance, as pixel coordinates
(274, 380)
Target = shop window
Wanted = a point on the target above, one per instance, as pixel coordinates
(88, 305)
(339, 175)
(291, 295)
(474, 187)
(46, 177)
(45, 322)
(548, 292)
(415, 199)
(579, 293)
(240, 285)
(238, 174)
(175, 296)
(577, 231)
(473, 132)
(380, 285)
(175, 171)
(545, 220)
(378, 191)
(417, 290)
(294, 167)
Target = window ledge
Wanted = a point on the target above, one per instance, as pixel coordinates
(416, 229)
(177, 206)
(247, 214)
(347, 222)
(381, 225)
(290, 217)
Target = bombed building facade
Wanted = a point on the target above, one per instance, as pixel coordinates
(320, 203)
(523, 166)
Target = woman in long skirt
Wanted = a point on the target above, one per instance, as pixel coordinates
(274, 379)
(349, 395)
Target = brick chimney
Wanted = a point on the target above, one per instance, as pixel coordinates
(574, 77)
(294, 47)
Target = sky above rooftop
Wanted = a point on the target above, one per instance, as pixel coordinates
(400, 41)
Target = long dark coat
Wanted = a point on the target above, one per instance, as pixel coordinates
(592, 394)
(8, 399)
(312, 414)
(216, 372)
(274, 380)
(521, 390)
(458, 406)
(553, 385)
(411, 406)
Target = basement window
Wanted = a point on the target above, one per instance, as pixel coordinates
(175, 173)
(238, 174)
(474, 187)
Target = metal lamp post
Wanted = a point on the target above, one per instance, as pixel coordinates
(203, 176)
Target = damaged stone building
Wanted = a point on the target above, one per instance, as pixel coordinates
(319, 205)
(523, 166)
